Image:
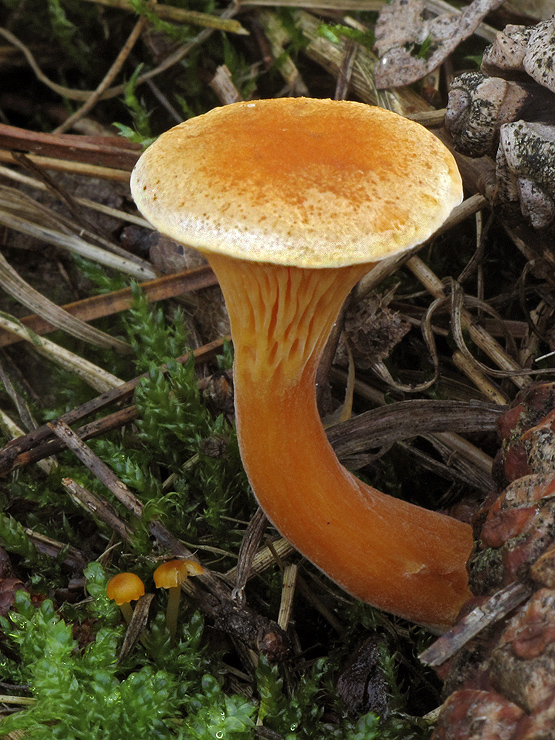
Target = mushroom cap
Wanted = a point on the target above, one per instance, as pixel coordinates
(298, 181)
(125, 587)
(174, 572)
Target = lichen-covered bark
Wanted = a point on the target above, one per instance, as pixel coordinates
(507, 111)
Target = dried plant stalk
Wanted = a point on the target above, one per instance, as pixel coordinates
(182, 15)
(96, 377)
(75, 244)
(481, 337)
(19, 289)
(287, 595)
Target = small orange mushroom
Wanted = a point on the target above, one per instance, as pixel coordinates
(292, 201)
(171, 575)
(123, 589)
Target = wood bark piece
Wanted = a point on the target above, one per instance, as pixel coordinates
(402, 30)
(14, 284)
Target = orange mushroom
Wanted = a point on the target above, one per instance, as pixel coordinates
(292, 201)
(171, 575)
(123, 589)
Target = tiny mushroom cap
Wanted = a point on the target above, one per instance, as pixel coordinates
(125, 587)
(171, 575)
(174, 572)
(292, 201)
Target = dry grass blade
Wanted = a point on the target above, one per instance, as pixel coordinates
(381, 370)
(473, 464)
(137, 626)
(96, 377)
(75, 244)
(19, 289)
(247, 551)
(459, 320)
(63, 165)
(106, 304)
(26, 700)
(22, 205)
(86, 202)
(25, 414)
(482, 339)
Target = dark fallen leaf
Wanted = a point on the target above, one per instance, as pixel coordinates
(403, 34)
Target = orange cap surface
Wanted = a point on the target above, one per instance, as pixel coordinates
(298, 181)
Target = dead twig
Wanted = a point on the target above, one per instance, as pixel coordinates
(102, 151)
(108, 78)
(405, 419)
(9, 455)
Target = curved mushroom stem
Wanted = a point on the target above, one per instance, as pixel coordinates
(397, 556)
(172, 610)
(127, 611)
